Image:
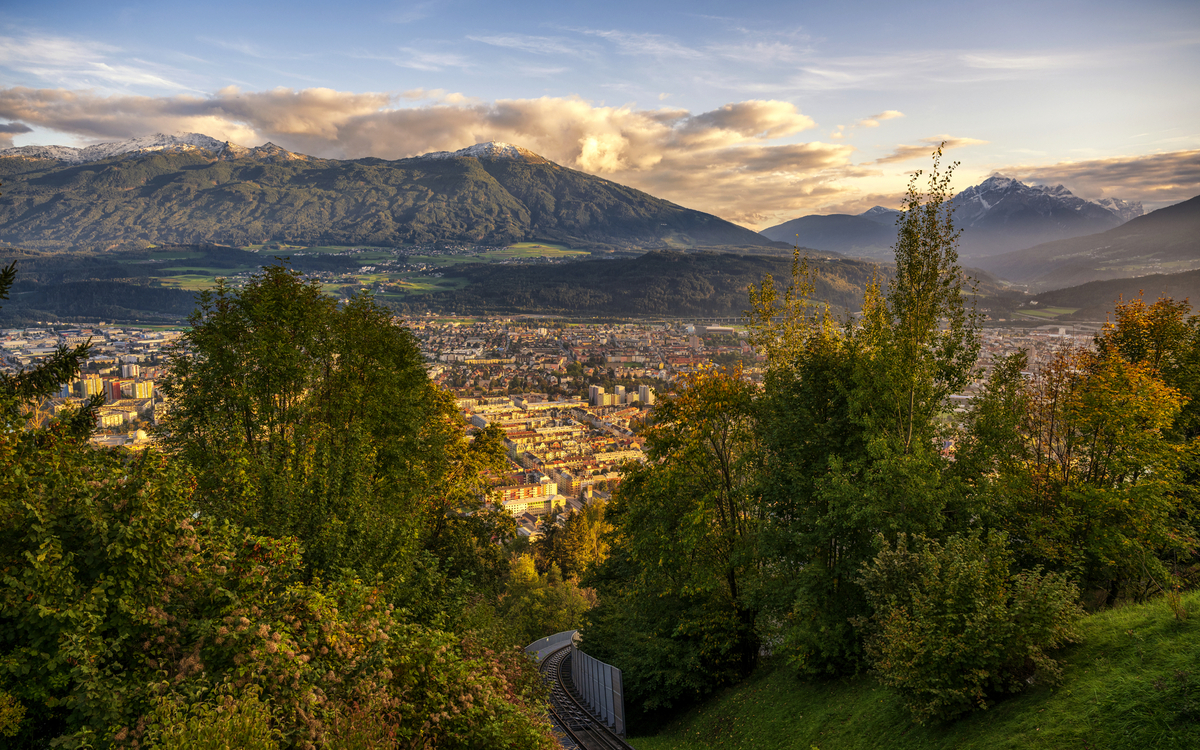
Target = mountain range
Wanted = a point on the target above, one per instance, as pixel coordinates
(1162, 241)
(193, 188)
(998, 215)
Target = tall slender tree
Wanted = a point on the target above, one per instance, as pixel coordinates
(852, 424)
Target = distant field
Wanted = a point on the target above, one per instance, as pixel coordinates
(193, 282)
(1048, 313)
(535, 250)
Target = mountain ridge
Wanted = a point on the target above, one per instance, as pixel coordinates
(1161, 241)
(192, 188)
(1000, 214)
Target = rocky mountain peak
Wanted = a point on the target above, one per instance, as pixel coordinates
(491, 150)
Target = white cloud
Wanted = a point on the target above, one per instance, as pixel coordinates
(75, 63)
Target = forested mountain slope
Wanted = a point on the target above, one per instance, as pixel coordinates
(239, 196)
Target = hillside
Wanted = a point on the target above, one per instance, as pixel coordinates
(1095, 300)
(1162, 241)
(1133, 684)
(838, 233)
(490, 194)
(657, 283)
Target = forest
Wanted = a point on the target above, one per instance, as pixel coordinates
(844, 519)
(306, 557)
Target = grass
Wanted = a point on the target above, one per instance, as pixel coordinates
(536, 250)
(1048, 313)
(194, 282)
(1132, 684)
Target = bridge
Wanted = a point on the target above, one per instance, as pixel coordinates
(587, 705)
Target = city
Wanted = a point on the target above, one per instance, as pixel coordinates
(570, 397)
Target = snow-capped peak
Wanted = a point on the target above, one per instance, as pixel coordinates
(881, 215)
(180, 143)
(144, 144)
(978, 201)
(1124, 210)
(488, 150)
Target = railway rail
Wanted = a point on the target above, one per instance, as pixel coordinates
(580, 729)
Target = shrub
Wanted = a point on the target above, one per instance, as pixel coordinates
(243, 722)
(953, 626)
(127, 621)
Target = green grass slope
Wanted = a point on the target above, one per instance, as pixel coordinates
(1097, 299)
(1133, 683)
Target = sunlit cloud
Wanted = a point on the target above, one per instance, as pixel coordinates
(841, 131)
(926, 147)
(1156, 179)
(874, 120)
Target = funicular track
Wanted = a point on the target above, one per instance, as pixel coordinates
(581, 729)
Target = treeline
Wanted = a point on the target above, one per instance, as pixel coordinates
(657, 283)
(125, 285)
(303, 560)
(846, 517)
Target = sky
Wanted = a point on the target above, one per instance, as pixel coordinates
(758, 112)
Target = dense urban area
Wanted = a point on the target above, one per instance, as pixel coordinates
(570, 397)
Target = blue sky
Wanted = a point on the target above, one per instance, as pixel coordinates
(756, 111)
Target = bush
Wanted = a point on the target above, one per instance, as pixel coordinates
(952, 626)
(127, 621)
(244, 723)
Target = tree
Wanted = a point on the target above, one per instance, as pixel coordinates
(576, 545)
(21, 394)
(302, 418)
(679, 579)
(1078, 465)
(851, 422)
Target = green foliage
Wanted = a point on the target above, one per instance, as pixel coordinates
(577, 543)
(1130, 684)
(124, 618)
(244, 722)
(952, 626)
(11, 715)
(304, 419)
(1079, 465)
(676, 609)
(534, 605)
(852, 430)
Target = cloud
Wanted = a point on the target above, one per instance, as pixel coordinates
(637, 43)
(9, 129)
(411, 13)
(874, 120)
(1156, 180)
(925, 148)
(537, 45)
(81, 64)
